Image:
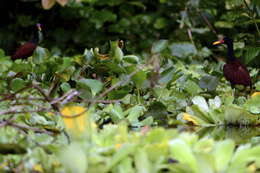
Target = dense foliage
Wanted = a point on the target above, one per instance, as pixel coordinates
(88, 102)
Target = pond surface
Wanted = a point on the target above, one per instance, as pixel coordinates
(240, 135)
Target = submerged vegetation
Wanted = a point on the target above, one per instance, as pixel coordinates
(141, 100)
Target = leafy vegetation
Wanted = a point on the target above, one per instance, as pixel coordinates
(121, 106)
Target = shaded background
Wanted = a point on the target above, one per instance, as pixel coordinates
(77, 26)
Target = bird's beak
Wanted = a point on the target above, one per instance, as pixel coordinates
(39, 28)
(218, 42)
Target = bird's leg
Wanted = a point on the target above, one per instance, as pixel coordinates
(233, 92)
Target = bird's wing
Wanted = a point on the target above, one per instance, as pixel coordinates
(24, 51)
(237, 73)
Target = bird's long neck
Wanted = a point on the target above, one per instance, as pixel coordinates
(35, 38)
(230, 52)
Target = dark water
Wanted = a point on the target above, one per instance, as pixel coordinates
(240, 135)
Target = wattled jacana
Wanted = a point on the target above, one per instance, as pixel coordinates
(26, 50)
(234, 71)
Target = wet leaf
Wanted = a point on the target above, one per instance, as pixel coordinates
(94, 85)
(201, 103)
(209, 82)
(182, 50)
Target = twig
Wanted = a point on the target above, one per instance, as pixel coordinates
(205, 19)
(102, 101)
(15, 111)
(47, 98)
(10, 96)
(24, 127)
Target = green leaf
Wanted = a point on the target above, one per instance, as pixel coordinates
(121, 154)
(251, 53)
(223, 24)
(243, 156)
(115, 51)
(160, 23)
(182, 50)
(223, 152)
(139, 78)
(201, 103)
(94, 85)
(238, 116)
(5, 63)
(142, 162)
(40, 54)
(88, 55)
(182, 152)
(17, 84)
(209, 82)
(74, 158)
(131, 59)
(134, 113)
(192, 87)
(253, 105)
(159, 46)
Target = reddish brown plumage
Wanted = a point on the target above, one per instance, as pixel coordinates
(237, 73)
(24, 51)
(234, 70)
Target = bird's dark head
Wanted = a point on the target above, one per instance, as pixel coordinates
(225, 40)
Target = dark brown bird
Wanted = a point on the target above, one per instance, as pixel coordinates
(26, 50)
(234, 71)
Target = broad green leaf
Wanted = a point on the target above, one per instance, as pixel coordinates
(182, 152)
(131, 59)
(18, 84)
(201, 103)
(251, 53)
(223, 152)
(115, 51)
(209, 82)
(182, 50)
(239, 116)
(134, 113)
(5, 62)
(215, 103)
(143, 164)
(126, 166)
(121, 154)
(88, 55)
(253, 104)
(159, 46)
(73, 157)
(192, 87)
(243, 156)
(94, 85)
(160, 23)
(40, 54)
(139, 78)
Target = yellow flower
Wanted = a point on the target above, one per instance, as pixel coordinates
(255, 94)
(38, 168)
(74, 117)
(189, 118)
(117, 146)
